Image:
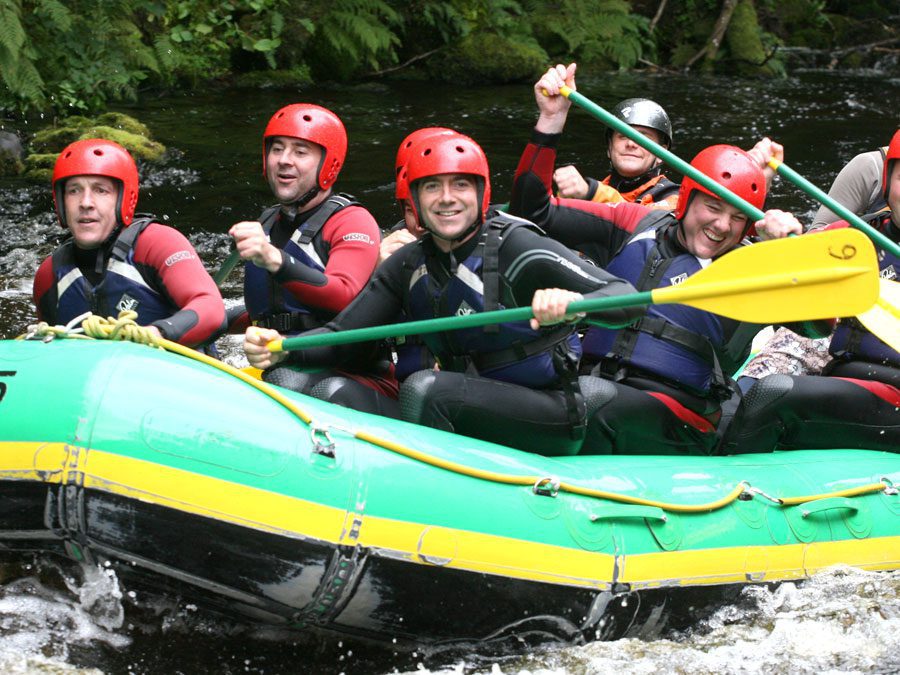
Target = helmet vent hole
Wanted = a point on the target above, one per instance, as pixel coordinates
(459, 149)
(68, 154)
(427, 152)
(754, 187)
(307, 118)
(98, 152)
(726, 175)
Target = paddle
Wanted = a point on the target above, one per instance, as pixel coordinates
(669, 158)
(883, 319)
(230, 263)
(845, 213)
(818, 276)
(889, 306)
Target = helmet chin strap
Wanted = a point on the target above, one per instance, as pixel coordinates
(292, 208)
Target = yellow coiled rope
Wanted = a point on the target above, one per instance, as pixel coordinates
(125, 328)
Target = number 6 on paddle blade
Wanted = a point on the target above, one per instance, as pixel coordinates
(816, 276)
(883, 319)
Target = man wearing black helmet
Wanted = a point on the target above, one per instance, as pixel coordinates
(636, 174)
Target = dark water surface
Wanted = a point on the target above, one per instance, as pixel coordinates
(52, 620)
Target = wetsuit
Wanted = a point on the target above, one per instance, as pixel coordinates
(467, 395)
(148, 267)
(651, 189)
(858, 187)
(666, 376)
(329, 253)
(856, 404)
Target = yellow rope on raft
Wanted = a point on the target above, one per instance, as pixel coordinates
(125, 328)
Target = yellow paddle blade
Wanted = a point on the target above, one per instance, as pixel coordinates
(883, 319)
(816, 276)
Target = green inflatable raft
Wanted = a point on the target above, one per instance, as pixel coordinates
(186, 477)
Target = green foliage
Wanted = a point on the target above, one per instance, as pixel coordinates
(596, 31)
(744, 40)
(353, 35)
(487, 57)
(69, 56)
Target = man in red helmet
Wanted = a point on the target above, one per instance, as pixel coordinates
(116, 261)
(856, 403)
(308, 257)
(513, 383)
(664, 378)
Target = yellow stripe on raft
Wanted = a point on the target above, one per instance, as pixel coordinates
(57, 463)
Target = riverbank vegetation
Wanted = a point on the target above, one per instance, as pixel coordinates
(74, 56)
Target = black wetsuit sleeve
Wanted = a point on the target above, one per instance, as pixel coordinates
(530, 262)
(379, 303)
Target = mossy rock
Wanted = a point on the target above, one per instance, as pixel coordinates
(55, 139)
(744, 42)
(10, 165)
(39, 166)
(123, 129)
(123, 122)
(489, 58)
(139, 146)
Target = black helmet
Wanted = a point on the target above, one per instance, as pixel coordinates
(645, 113)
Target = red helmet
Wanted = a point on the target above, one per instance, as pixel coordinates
(317, 125)
(402, 189)
(893, 154)
(97, 157)
(436, 155)
(731, 168)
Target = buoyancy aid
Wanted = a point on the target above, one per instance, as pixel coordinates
(673, 343)
(852, 341)
(122, 286)
(510, 352)
(654, 190)
(268, 303)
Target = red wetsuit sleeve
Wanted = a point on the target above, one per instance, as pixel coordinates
(598, 230)
(165, 255)
(352, 237)
(43, 283)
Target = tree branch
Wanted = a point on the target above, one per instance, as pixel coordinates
(715, 38)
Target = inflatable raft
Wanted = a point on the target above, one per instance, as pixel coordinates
(286, 509)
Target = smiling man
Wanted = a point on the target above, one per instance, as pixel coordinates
(513, 383)
(666, 376)
(636, 174)
(116, 260)
(311, 254)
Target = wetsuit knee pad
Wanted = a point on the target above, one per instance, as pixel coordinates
(328, 388)
(765, 392)
(597, 392)
(414, 394)
(289, 378)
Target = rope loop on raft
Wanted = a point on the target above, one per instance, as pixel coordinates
(89, 326)
(125, 328)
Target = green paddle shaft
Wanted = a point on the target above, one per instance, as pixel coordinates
(845, 213)
(453, 323)
(671, 159)
(230, 263)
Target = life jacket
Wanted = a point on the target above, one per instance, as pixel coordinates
(268, 303)
(672, 343)
(510, 352)
(122, 286)
(852, 341)
(654, 190)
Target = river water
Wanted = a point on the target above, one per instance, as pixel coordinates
(58, 618)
